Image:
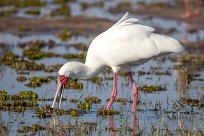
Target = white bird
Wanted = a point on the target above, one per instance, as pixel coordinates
(125, 45)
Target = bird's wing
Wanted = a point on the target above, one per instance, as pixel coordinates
(120, 52)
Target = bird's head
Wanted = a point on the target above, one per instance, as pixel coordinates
(70, 70)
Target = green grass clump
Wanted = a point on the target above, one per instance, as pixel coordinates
(80, 56)
(38, 81)
(7, 12)
(118, 100)
(152, 88)
(33, 128)
(21, 79)
(104, 112)
(13, 61)
(92, 99)
(3, 95)
(47, 111)
(97, 80)
(84, 105)
(21, 3)
(29, 95)
(61, 11)
(74, 85)
(64, 35)
(36, 54)
(34, 12)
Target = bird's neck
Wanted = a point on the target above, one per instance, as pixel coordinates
(90, 71)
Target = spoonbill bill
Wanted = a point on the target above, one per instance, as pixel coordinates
(125, 45)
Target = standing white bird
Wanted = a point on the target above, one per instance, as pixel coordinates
(125, 45)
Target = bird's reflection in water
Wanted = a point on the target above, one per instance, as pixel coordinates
(113, 130)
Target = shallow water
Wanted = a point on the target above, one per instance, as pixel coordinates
(145, 116)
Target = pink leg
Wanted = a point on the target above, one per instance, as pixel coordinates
(134, 92)
(197, 7)
(187, 9)
(114, 91)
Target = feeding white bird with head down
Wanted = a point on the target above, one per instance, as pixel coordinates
(123, 46)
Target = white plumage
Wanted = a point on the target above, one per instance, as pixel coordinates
(125, 45)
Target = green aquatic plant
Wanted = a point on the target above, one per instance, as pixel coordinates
(61, 11)
(29, 95)
(38, 81)
(3, 95)
(72, 100)
(84, 105)
(104, 112)
(33, 128)
(64, 35)
(97, 80)
(34, 12)
(74, 85)
(7, 12)
(74, 113)
(80, 56)
(192, 102)
(152, 88)
(92, 99)
(36, 53)
(53, 68)
(21, 79)
(47, 111)
(118, 100)
(22, 3)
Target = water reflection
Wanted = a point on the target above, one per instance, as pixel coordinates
(113, 130)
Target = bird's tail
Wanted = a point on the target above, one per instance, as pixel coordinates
(166, 44)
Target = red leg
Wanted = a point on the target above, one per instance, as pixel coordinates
(134, 92)
(114, 91)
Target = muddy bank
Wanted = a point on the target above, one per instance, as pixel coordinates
(34, 26)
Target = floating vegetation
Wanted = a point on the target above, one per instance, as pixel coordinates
(97, 80)
(104, 112)
(53, 68)
(35, 44)
(12, 60)
(64, 35)
(33, 128)
(34, 12)
(84, 105)
(74, 112)
(192, 102)
(23, 28)
(61, 11)
(22, 3)
(35, 54)
(29, 95)
(81, 47)
(92, 99)
(72, 100)
(7, 12)
(80, 56)
(74, 85)
(122, 74)
(38, 81)
(47, 112)
(118, 100)
(152, 88)
(21, 79)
